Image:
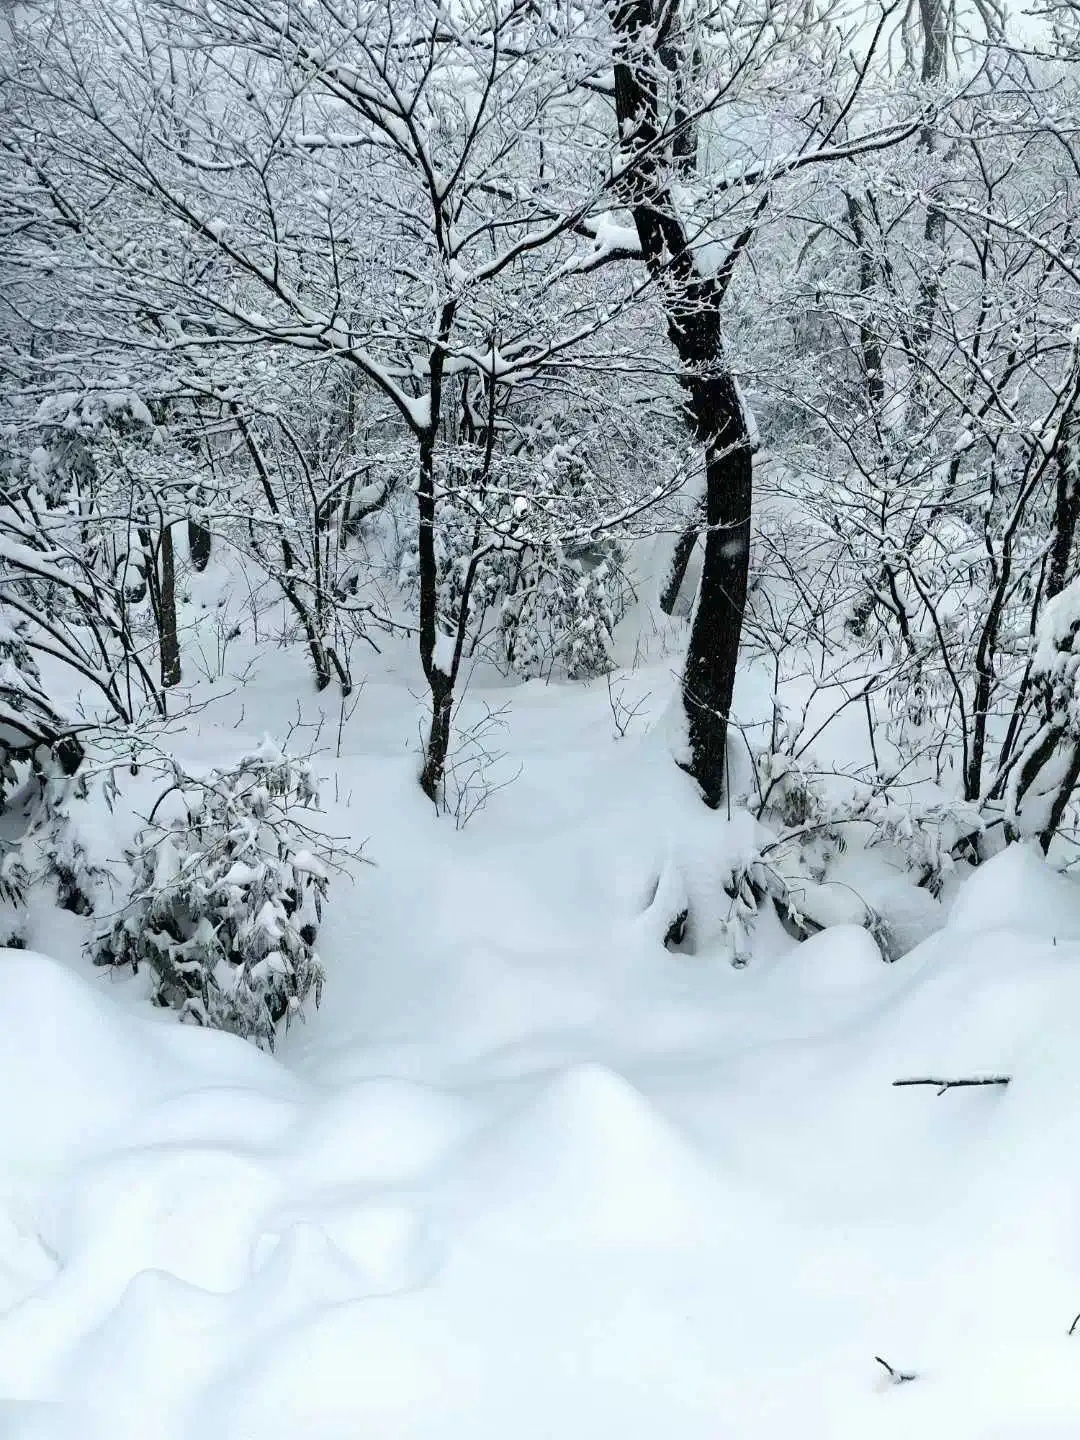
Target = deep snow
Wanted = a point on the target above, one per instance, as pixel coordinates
(527, 1174)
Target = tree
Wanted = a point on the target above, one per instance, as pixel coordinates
(938, 474)
(737, 65)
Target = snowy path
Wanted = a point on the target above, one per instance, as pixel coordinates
(527, 1175)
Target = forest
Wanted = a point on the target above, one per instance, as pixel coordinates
(539, 719)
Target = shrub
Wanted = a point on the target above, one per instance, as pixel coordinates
(226, 897)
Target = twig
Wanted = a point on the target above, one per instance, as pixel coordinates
(898, 1377)
(346, 712)
(942, 1085)
(1072, 1327)
(623, 714)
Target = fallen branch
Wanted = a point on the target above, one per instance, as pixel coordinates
(898, 1377)
(942, 1085)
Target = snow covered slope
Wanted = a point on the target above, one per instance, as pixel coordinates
(529, 1175)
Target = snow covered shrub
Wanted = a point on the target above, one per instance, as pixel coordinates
(54, 848)
(1047, 771)
(535, 608)
(226, 897)
(14, 883)
(39, 763)
(30, 725)
(563, 612)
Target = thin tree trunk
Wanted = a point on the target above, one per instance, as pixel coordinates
(439, 684)
(170, 641)
(161, 583)
(934, 24)
(680, 561)
(871, 350)
(1066, 508)
(289, 578)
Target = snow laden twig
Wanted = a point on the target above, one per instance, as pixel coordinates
(964, 1082)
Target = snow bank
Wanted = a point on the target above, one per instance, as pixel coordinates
(1018, 891)
(532, 1175)
(74, 1068)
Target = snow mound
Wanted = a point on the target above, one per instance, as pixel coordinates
(1017, 890)
(383, 1248)
(843, 958)
(590, 1161)
(381, 1131)
(183, 1211)
(155, 1315)
(25, 1262)
(71, 1066)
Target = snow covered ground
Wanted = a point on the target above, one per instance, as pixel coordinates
(529, 1175)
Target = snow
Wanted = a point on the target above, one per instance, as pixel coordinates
(610, 237)
(527, 1173)
(1057, 629)
(443, 654)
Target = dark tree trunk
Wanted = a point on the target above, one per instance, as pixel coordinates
(170, 640)
(713, 652)
(680, 561)
(161, 582)
(693, 303)
(440, 685)
(1066, 508)
(934, 24)
(438, 743)
(200, 542)
(871, 351)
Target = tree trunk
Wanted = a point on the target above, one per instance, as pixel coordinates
(170, 641)
(1066, 507)
(934, 25)
(680, 561)
(871, 350)
(693, 302)
(440, 685)
(200, 542)
(438, 743)
(713, 652)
